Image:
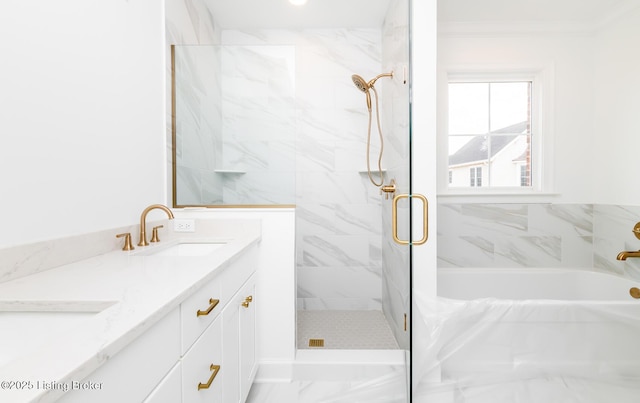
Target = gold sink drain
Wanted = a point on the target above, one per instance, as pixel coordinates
(316, 342)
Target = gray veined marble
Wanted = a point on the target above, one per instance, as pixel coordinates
(340, 250)
(504, 219)
(538, 235)
(561, 219)
(465, 251)
(531, 251)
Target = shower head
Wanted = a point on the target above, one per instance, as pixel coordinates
(364, 86)
(360, 83)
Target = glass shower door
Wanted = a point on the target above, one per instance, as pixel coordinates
(396, 191)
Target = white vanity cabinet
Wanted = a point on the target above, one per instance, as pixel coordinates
(239, 338)
(169, 389)
(132, 374)
(203, 351)
(219, 355)
(203, 367)
(247, 337)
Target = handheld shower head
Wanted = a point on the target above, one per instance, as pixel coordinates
(364, 86)
(360, 83)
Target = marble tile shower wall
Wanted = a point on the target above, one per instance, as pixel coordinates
(337, 211)
(293, 91)
(538, 235)
(198, 116)
(188, 22)
(256, 162)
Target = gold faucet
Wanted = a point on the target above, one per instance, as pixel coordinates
(143, 221)
(624, 255)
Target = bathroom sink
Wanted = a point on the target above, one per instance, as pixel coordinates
(187, 249)
(26, 326)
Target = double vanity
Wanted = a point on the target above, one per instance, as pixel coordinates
(170, 322)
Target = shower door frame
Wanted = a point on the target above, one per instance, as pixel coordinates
(422, 141)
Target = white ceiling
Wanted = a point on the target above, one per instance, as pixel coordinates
(248, 14)
(591, 12)
(274, 14)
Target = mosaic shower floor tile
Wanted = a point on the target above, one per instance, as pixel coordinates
(345, 330)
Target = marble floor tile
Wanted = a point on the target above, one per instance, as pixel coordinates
(371, 391)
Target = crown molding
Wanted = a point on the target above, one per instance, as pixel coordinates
(494, 28)
(527, 28)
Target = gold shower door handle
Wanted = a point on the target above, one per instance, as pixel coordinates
(425, 219)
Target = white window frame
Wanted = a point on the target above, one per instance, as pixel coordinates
(541, 122)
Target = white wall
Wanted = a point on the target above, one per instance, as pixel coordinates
(569, 59)
(82, 115)
(276, 327)
(617, 106)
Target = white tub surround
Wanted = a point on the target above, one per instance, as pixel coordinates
(528, 335)
(84, 313)
(534, 235)
(559, 285)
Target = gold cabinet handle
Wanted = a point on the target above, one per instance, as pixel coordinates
(212, 304)
(215, 369)
(425, 219)
(247, 301)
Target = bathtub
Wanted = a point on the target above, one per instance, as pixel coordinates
(492, 329)
(535, 284)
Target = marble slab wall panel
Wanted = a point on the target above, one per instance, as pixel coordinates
(198, 123)
(258, 124)
(395, 126)
(613, 227)
(515, 235)
(189, 22)
(338, 228)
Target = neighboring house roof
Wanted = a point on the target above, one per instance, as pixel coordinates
(522, 157)
(476, 148)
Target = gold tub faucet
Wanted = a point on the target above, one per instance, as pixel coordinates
(143, 221)
(624, 255)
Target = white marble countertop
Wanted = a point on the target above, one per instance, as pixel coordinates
(129, 291)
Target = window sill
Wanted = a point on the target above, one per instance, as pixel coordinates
(495, 196)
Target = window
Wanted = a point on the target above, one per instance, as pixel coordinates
(525, 176)
(490, 133)
(475, 176)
